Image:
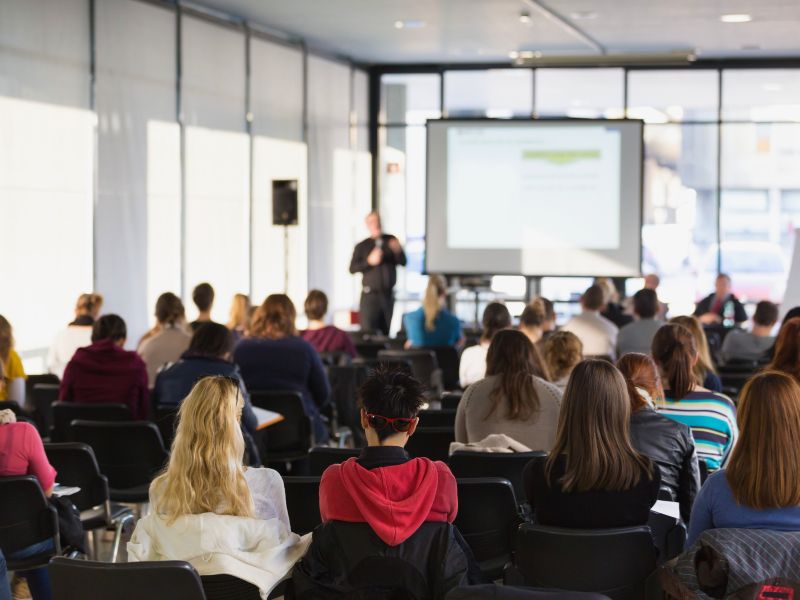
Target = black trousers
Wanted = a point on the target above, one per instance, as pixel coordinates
(376, 311)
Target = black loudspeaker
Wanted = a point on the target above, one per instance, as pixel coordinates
(284, 201)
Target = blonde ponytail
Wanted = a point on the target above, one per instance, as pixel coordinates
(430, 303)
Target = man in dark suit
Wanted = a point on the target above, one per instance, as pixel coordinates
(377, 258)
(711, 309)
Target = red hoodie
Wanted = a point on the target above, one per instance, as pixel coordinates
(394, 500)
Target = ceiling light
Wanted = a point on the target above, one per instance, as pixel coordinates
(736, 18)
(583, 15)
(524, 17)
(409, 24)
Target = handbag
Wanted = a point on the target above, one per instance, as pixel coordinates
(70, 527)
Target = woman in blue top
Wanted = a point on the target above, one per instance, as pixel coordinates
(432, 324)
(760, 488)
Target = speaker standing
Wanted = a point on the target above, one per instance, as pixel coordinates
(377, 258)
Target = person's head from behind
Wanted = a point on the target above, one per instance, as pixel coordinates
(316, 305)
(515, 361)
(203, 298)
(204, 473)
(609, 289)
(642, 380)
(239, 316)
(593, 431)
(645, 304)
(169, 309)
(705, 363)
(373, 223)
(764, 468)
(594, 298)
(651, 281)
(88, 305)
(722, 285)
(390, 400)
(275, 317)
(110, 327)
(787, 349)
(765, 317)
(534, 319)
(790, 314)
(562, 352)
(212, 340)
(675, 353)
(432, 302)
(495, 318)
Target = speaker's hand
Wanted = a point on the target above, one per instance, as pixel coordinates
(375, 257)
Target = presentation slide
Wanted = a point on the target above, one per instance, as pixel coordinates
(534, 197)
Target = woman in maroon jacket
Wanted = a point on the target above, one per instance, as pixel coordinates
(105, 373)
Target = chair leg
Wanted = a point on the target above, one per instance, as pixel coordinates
(118, 530)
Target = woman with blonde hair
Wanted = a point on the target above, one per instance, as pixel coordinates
(239, 316)
(760, 488)
(704, 369)
(563, 350)
(208, 509)
(432, 324)
(12, 374)
(77, 334)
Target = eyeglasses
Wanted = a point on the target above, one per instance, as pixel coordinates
(399, 424)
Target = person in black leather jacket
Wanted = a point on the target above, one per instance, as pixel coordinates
(666, 442)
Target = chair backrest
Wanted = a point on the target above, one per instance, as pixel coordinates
(165, 417)
(77, 466)
(334, 358)
(423, 364)
(488, 520)
(345, 381)
(431, 442)
(130, 453)
(40, 379)
(11, 405)
(614, 562)
(448, 361)
(290, 439)
(490, 464)
(669, 535)
(228, 587)
(73, 579)
(437, 418)
(64, 413)
(492, 591)
(450, 400)
(302, 502)
(25, 515)
(43, 396)
(369, 348)
(322, 457)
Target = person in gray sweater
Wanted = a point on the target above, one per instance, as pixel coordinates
(515, 398)
(638, 336)
(752, 345)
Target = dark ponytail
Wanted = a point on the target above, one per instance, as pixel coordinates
(674, 351)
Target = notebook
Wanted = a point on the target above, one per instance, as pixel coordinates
(266, 417)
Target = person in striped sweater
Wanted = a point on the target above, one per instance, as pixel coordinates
(710, 416)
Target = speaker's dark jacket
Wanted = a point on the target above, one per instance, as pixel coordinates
(380, 278)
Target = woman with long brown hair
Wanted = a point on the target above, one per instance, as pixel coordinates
(593, 477)
(787, 349)
(704, 370)
(710, 416)
(514, 398)
(274, 358)
(760, 487)
(666, 442)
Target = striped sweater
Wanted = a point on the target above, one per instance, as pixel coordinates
(712, 419)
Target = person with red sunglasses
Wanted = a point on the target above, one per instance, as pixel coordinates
(384, 487)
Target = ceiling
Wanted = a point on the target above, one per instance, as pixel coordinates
(487, 30)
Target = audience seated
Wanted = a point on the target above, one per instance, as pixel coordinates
(203, 298)
(613, 310)
(651, 282)
(106, 373)
(239, 316)
(207, 508)
(562, 352)
(598, 334)
(432, 324)
(12, 374)
(741, 345)
(274, 358)
(638, 335)
(472, 366)
(704, 370)
(383, 487)
(712, 309)
(535, 321)
(75, 335)
(22, 453)
(165, 343)
(711, 416)
(514, 398)
(593, 477)
(664, 441)
(324, 338)
(760, 487)
(786, 357)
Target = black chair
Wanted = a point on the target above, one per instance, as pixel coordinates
(669, 536)
(335, 358)
(488, 520)
(64, 413)
(450, 400)
(165, 417)
(423, 366)
(77, 466)
(491, 591)
(26, 518)
(158, 580)
(448, 360)
(437, 418)
(43, 396)
(11, 405)
(702, 466)
(370, 348)
(614, 562)
(345, 382)
(302, 502)
(322, 457)
(291, 439)
(734, 375)
(129, 453)
(228, 587)
(431, 442)
(489, 464)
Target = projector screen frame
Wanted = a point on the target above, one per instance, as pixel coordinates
(478, 119)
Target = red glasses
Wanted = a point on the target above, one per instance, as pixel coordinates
(399, 424)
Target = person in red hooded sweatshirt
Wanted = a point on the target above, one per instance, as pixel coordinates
(384, 487)
(104, 372)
